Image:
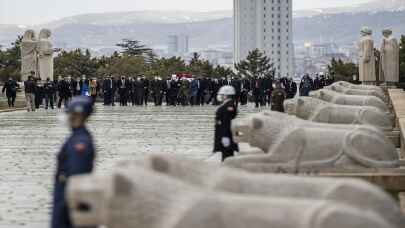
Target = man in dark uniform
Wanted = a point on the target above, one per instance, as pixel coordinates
(174, 90)
(10, 87)
(278, 96)
(65, 92)
(146, 85)
(225, 114)
(76, 157)
(108, 89)
(258, 90)
(158, 88)
(140, 91)
(123, 86)
(39, 93)
(131, 90)
(292, 89)
(49, 91)
(236, 83)
(245, 88)
(215, 86)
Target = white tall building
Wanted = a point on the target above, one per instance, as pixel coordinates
(267, 26)
(178, 44)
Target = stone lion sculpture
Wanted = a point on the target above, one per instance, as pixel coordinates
(296, 143)
(223, 179)
(316, 110)
(343, 99)
(352, 91)
(360, 87)
(133, 197)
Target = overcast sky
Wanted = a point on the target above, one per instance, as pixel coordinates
(41, 11)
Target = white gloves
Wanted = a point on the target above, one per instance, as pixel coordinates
(226, 142)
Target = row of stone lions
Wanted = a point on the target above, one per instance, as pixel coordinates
(329, 129)
(162, 191)
(332, 129)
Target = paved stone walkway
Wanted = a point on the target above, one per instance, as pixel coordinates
(29, 143)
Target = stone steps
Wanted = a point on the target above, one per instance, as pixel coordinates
(29, 143)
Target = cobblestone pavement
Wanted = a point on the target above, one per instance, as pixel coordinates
(29, 143)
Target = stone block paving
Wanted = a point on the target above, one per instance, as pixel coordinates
(29, 143)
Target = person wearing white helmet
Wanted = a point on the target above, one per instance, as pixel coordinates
(225, 114)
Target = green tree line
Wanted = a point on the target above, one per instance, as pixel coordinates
(134, 59)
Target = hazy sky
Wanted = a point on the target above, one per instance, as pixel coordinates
(41, 11)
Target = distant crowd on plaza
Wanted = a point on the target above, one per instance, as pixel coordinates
(172, 91)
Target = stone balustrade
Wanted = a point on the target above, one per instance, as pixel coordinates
(397, 103)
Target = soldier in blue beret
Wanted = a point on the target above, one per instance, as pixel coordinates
(76, 157)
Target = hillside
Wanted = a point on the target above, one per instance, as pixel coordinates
(207, 29)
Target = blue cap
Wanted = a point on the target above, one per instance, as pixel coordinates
(81, 104)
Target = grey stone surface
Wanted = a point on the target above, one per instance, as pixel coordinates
(137, 197)
(29, 143)
(297, 143)
(316, 110)
(343, 99)
(355, 193)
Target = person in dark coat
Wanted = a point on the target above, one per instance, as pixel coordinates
(139, 91)
(29, 89)
(174, 90)
(184, 92)
(76, 157)
(194, 92)
(258, 91)
(215, 86)
(158, 89)
(39, 93)
(278, 97)
(236, 83)
(267, 86)
(146, 86)
(224, 142)
(131, 91)
(292, 89)
(108, 90)
(76, 86)
(49, 91)
(306, 86)
(123, 86)
(65, 91)
(10, 88)
(245, 89)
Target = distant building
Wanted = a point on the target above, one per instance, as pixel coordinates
(217, 57)
(267, 26)
(178, 44)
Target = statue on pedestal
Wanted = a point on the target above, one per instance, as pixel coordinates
(45, 55)
(367, 74)
(389, 70)
(37, 55)
(29, 61)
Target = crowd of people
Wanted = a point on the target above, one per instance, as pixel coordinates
(173, 91)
